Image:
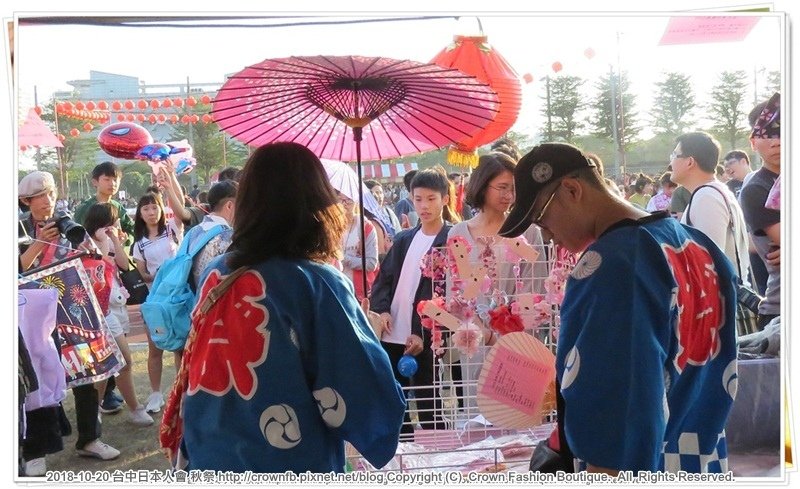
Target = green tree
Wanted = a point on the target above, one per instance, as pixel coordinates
(565, 102)
(726, 107)
(672, 104)
(773, 85)
(627, 125)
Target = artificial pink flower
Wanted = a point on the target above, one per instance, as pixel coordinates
(467, 338)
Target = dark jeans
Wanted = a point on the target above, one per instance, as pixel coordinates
(423, 382)
(42, 433)
(86, 409)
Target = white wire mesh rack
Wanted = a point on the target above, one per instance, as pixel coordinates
(447, 431)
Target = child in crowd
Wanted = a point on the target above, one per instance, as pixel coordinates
(400, 286)
(102, 224)
(155, 241)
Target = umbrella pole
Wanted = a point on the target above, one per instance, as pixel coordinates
(357, 139)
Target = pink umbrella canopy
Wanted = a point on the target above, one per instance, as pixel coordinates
(34, 132)
(323, 102)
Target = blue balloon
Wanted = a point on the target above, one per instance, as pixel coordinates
(407, 365)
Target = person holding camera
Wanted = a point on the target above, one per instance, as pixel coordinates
(48, 240)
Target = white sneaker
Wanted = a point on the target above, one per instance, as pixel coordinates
(98, 449)
(36, 467)
(139, 417)
(154, 402)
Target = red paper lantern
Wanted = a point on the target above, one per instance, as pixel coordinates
(129, 104)
(23, 147)
(102, 105)
(205, 99)
(557, 66)
(120, 117)
(59, 107)
(74, 132)
(185, 119)
(68, 106)
(207, 118)
(178, 102)
(167, 103)
(116, 105)
(473, 55)
(142, 104)
(88, 127)
(79, 105)
(154, 104)
(38, 110)
(90, 105)
(129, 117)
(589, 53)
(528, 78)
(152, 119)
(61, 137)
(195, 118)
(174, 119)
(191, 102)
(161, 118)
(140, 117)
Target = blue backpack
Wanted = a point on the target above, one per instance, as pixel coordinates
(167, 310)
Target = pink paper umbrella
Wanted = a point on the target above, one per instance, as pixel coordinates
(353, 108)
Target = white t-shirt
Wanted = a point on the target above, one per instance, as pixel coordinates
(708, 212)
(403, 300)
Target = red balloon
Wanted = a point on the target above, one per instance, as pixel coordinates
(120, 117)
(102, 105)
(557, 66)
(527, 77)
(589, 53)
(88, 127)
(74, 132)
(129, 104)
(191, 102)
(79, 105)
(205, 99)
(90, 105)
(142, 104)
(123, 139)
(167, 103)
(178, 102)
(154, 104)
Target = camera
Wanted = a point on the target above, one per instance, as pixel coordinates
(71, 230)
(749, 298)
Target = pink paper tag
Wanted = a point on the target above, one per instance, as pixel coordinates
(695, 30)
(517, 381)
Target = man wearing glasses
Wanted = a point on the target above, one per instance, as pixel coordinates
(646, 359)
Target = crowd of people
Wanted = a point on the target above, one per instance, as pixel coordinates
(299, 326)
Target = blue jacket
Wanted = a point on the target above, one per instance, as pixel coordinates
(385, 284)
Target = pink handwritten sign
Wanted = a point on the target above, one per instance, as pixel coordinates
(518, 381)
(696, 30)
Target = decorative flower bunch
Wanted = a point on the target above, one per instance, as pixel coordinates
(429, 323)
(503, 320)
(434, 265)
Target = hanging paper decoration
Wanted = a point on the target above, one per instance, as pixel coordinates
(161, 118)
(130, 118)
(90, 105)
(205, 99)
(74, 132)
(129, 104)
(79, 105)
(120, 117)
(191, 102)
(174, 119)
(178, 102)
(142, 104)
(589, 53)
(88, 127)
(23, 147)
(528, 78)
(38, 110)
(474, 56)
(102, 105)
(61, 137)
(557, 66)
(207, 118)
(167, 103)
(154, 104)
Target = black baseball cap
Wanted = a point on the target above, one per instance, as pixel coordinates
(544, 164)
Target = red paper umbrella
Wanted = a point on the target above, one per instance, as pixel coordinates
(474, 56)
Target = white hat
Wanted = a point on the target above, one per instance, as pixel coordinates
(36, 183)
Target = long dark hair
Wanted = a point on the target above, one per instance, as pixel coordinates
(285, 207)
(489, 166)
(139, 226)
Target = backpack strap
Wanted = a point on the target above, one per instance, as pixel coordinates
(204, 240)
(219, 289)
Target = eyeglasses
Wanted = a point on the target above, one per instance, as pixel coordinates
(504, 190)
(538, 219)
(675, 155)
